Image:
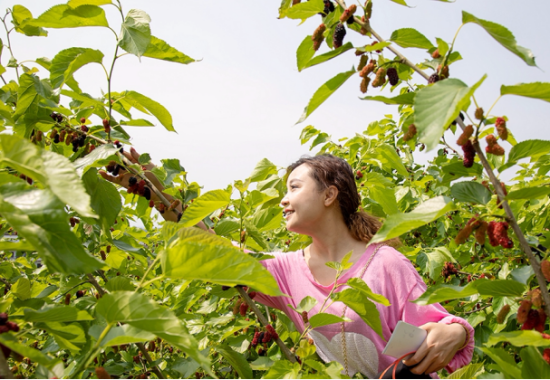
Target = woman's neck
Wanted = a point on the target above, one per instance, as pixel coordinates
(333, 243)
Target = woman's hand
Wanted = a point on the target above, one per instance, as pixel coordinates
(438, 349)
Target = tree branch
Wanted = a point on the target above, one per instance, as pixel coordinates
(5, 372)
(94, 282)
(146, 355)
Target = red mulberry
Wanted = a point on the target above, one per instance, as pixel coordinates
(410, 133)
(479, 113)
(317, 36)
(503, 313)
(339, 34)
(436, 54)
(267, 337)
(393, 78)
(546, 355)
(272, 331)
(545, 267)
(500, 125)
(492, 146)
(523, 311)
(465, 136)
(464, 234)
(243, 308)
(348, 13)
(469, 154)
(536, 320)
(305, 318)
(364, 85)
(368, 69)
(380, 78)
(481, 231)
(106, 125)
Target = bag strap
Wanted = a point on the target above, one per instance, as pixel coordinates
(394, 364)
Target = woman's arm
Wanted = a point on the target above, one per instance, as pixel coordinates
(124, 176)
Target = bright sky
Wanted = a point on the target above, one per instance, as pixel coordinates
(239, 104)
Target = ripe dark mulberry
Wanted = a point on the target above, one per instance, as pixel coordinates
(147, 193)
(3, 318)
(329, 7)
(393, 78)
(103, 256)
(132, 181)
(433, 78)
(151, 204)
(465, 136)
(79, 293)
(338, 38)
(469, 154)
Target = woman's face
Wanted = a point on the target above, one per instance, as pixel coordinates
(303, 204)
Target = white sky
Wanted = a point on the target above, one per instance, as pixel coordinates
(240, 103)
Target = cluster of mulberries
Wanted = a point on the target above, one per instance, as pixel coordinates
(448, 270)
(469, 154)
(465, 136)
(358, 175)
(393, 78)
(410, 133)
(6, 326)
(74, 221)
(347, 15)
(56, 117)
(339, 34)
(78, 141)
(114, 168)
(317, 36)
(492, 146)
(500, 125)
(536, 320)
(329, 7)
(139, 188)
(498, 234)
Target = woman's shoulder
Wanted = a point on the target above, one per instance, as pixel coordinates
(282, 259)
(392, 263)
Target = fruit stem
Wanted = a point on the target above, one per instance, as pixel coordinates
(147, 272)
(489, 112)
(109, 80)
(284, 349)
(8, 11)
(155, 368)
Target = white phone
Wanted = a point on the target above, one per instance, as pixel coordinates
(405, 338)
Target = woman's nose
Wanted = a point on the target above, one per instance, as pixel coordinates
(284, 201)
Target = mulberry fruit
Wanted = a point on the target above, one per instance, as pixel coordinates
(380, 78)
(368, 69)
(141, 187)
(329, 7)
(363, 31)
(272, 331)
(255, 340)
(103, 256)
(132, 181)
(492, 146)
(545, 267)
(348, 13)
(305, 318)
(243, 308)
(362, 63)
(358, 175)
(364, 85)
(493, 240)
(393, 78)
(3, 318)
(339, 34)
(443, 72)
(410, 133)
(151, 203)
(252, 295)
(479, 113)
(481, 231)
(501, 316)
(67, 299)
(465, 136)
(464, 234)
(469, 154)
(80, 293)
(106, 125)
(536, 320)
(449, 270)
(147, 193)
(546, 355)
(433, 78)
(500, 125)
(435, 54)
(267, 337)
(536, 297)
(523, 311)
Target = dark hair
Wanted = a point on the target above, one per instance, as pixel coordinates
(328, 170)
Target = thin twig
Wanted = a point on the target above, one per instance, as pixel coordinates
(155, 368)
(477, 310)
(94, 282)
(6, 282)
(285, 350)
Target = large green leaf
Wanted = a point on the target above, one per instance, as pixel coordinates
(472, 192)
(442, 292)
(528, 148)
(505, 362)
(304, 53)
(106, 200)
(323, 319)
(305, 10)
(67, 61)
(77, 3)
(204, 206)
(358, 302)
(389, 157)
(501, 288)
(196, 254)
(100, 156)
(360, 285)
(34, 355)
(324, 92)
(469, 372)
(39, 217)
(22, 288)
(27, 97)
(534, 365)
(263, 169)
(329, 55)
(237, 361)
(143, 313)
(63, 16)
(119, 335)
(52, 313)
(397, 224)
(503, 36)
(159, 49)
(409, 37)
(156, 109)
(19, 14)
(519, 338)
(283, 369)
(51, 169)
(407, 98)
(135, 33)
(537, 90)
(436, 106)
(529, 193)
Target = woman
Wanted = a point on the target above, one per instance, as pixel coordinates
(322, 202)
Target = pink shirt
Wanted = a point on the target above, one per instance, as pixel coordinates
(390, 274)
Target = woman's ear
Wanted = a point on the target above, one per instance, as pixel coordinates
(331, 195)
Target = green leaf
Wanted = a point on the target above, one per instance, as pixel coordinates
(263, 169)
(119, 283)
(106, 200)
(407, 98)
(469, 372)
(135, 33)
(409, 37)
(388, 156)
(305, 10)
(323, 319)
(536, 90)
(519, 338)
(442, 292)
(67, 61)
(505, 361)
(100, 156)
(437, 105)
(325, 91)
(397, 224)
(77, 3)
(358, 302)
(329, 55)
(137, 123)
(39, 217)
(534, 365)
(458, 170)
(143, 313)
(52, 313)
(63, 16)
(472, 192)
(20, 14)
(528, 148)
(159, 49)
(283, 369)
(360, 285)
(501, 288)
(400, 2)
(306, 304)
(27, 97)
(120, 335)
(442, 46)
(19, 246)
(196, 254)
(22, 288)
(503, 36)
(155, 108)
(304, 53)
(237, 361)
(204, 206)
(529, 193)
(434, 260)
(34, 355)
